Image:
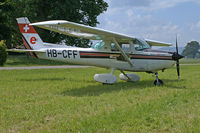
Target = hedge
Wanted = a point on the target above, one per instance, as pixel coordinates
(3, 53)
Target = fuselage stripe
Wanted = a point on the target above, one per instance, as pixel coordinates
(93, 54)
(147, 56)
(84, 54)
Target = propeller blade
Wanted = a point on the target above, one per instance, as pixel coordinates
(176, 45)
(178, 69)
(177, 61)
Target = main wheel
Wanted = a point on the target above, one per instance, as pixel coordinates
(158, 83)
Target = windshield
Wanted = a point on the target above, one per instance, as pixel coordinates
(140, 44)
(98, 46)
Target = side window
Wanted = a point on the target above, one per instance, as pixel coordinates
(140, 44)
(98, 45)
(125, 47)
(113, 48)
(138, 47)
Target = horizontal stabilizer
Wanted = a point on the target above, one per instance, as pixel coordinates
(25, 50)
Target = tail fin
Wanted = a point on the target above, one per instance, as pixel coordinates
(30, 37)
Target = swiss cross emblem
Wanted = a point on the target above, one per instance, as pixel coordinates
(26, 28)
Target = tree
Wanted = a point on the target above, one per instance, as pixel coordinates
(3, 53)
(79, 11)
(4, 29)
(191, 49)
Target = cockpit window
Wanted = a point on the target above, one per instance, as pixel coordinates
(98, 45)
(140, 44)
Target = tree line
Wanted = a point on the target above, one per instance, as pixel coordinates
(192, 50)
(79, 11)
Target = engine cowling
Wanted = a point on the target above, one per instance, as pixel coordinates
(105, 78)
(132, 77)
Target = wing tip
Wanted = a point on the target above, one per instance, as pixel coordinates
(157, 43)
(52, 22)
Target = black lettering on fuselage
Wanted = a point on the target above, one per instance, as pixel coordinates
(54, 53)
(64, 52)
(75, 53)
(49, 53)
(69, 53)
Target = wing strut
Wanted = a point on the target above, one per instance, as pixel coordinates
(125, 75)
(122, 52)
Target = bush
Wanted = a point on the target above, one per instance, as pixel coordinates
(3, 53)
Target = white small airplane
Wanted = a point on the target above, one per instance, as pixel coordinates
(113, 50)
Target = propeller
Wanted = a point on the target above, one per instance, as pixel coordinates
(177, 61)
(176, 56)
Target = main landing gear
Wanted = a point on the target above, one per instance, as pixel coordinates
(110, 78)
(107, 78)
(158, 82)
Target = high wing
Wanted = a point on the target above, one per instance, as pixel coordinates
(87, 32)
(82, 31)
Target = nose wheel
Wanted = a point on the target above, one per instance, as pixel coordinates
(158, 82)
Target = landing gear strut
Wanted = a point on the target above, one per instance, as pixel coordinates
(158, 82)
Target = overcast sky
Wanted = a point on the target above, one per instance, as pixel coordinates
(159, 20)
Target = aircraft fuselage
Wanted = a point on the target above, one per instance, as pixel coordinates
(143, 61)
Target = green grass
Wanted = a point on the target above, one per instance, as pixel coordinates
(189, 61)
(69, 100)
(23, 60)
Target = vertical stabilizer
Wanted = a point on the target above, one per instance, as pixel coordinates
(30, 37)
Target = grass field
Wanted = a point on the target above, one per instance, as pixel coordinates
(69, 100)
(189, 61)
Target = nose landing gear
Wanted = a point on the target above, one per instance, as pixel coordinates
(158, 82)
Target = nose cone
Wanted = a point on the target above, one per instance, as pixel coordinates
(177, 56)
(180, 57)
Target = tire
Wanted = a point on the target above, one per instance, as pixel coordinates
(160, 82)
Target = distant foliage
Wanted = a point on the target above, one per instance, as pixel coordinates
(79, 11)
(192, 50)
(3, 53)
(5, 31)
